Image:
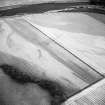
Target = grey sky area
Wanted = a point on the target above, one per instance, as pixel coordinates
(15, 2)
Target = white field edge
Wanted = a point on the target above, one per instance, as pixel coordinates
(94, 93)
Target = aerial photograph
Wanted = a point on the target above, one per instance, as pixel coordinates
(52, 52)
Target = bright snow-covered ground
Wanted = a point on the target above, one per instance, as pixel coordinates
(81, 34)
(21, 38)
(15, 45)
